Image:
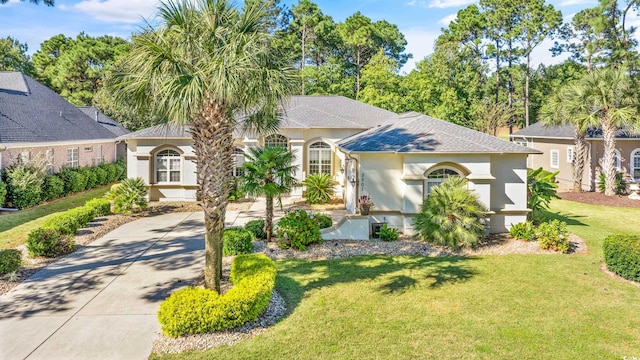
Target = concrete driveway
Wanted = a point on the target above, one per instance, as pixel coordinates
(101, 301)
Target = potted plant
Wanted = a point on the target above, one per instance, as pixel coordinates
(365, 203)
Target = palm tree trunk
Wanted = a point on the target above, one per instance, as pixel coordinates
(579, 159)
(213, 146)
(608, 163)
(268, 221)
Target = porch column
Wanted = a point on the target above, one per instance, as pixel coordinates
(297, 147)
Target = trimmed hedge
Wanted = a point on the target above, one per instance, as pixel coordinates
(197, 310)
(256, 227)
(3, 192)
(622, 255)
(49, 243)
(10, 260)
(84, 214)
(64, 223)
(53, 187)
(101, 206)
(236, 241)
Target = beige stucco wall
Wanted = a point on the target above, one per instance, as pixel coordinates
(87, 152)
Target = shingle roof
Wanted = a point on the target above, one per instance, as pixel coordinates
(417, 133)
(538, 130)
(162, 131)
(105, 121)
(31, 112)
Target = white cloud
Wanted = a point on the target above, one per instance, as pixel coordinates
(120, 11)
(448, 19)
(442, 4)
(419, 43)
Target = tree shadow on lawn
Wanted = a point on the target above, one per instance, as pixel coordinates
(571, 220)
(297, 277)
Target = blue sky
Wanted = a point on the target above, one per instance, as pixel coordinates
(419, 20)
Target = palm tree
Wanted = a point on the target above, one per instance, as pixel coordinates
(268, 171)
(567, 107)
(601, 98)
(205, 64)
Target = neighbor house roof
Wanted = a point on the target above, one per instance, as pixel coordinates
(104, 121)
(169, 130)
(538, 130)
(417, 133)
(31, 113)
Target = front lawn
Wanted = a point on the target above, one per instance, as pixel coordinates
(512, 306)
(15, 227)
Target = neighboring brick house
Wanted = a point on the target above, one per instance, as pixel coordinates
(37, 123)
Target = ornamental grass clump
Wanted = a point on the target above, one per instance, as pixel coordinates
(198, 310)
(451, 215)
(319, 188)
(129, 196)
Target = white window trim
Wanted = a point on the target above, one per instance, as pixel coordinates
(283, 140)
(437, 180)
(73, 163)
(633, 168)
(320, 151)
(618, 160)
(156, 157)
(557, 153)
(238, 162)
(570, 154)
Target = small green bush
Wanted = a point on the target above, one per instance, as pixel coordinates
(319, 188)
(387, 233)
(121, 169)
(524, 231)
(90, 176)
(63, 222)
(128, 196)
(3, 192)
(101, 175)
(53, 187)
(553, 235)
(49, 243)
(323, 221)
(236, 192)
(73, 180)
(541, 188)
(297, 230)
(197, 310)
(111, 172)
(256, 227)
(83, 214)
(10, 260)
(100, 206)
(622, 255)
(621, 183)
(236, 241)
(24, 185)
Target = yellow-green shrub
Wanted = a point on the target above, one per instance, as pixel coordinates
(101, 206)
(196, 310)
(622, 255)
(63, 222)
(84, 214)
(10, 260)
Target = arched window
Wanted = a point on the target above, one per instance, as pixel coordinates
(168, 166)
(438, 176)
(635, 165)
(238, 161)
(319, 158)
(276, 140)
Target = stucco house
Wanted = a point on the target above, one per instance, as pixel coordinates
(37, 122)
(395, 159)
(556, 146)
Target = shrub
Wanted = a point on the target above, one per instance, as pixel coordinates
(24, 185)
(319, 188)
(541, 188)
(10, 260)
(236, 241)
(451, 215)
(101, 175)
(100, 206)
(256, 227)
(121, 169)
(621, 183)
(524, 231)
(387, 233)
(323, 221)
(3, 192)
(236, 192)
(83, 214)
(128, 196)
(111, 172)
(197, 310)
(49, 243)
(622, 255)
(73, 180)
(53, 187)
(553, 235)
(63, 222)
(90, 177)
(297, 230)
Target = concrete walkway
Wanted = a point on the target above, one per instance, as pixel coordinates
(101, 301)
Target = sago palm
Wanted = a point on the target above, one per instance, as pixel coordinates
(205, 64)
(451, 215)
(269, 172)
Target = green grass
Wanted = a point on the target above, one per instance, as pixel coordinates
(489, 307)
(15, 227)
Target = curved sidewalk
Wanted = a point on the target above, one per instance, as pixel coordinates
(101, 301)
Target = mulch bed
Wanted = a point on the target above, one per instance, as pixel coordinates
(596, 198)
